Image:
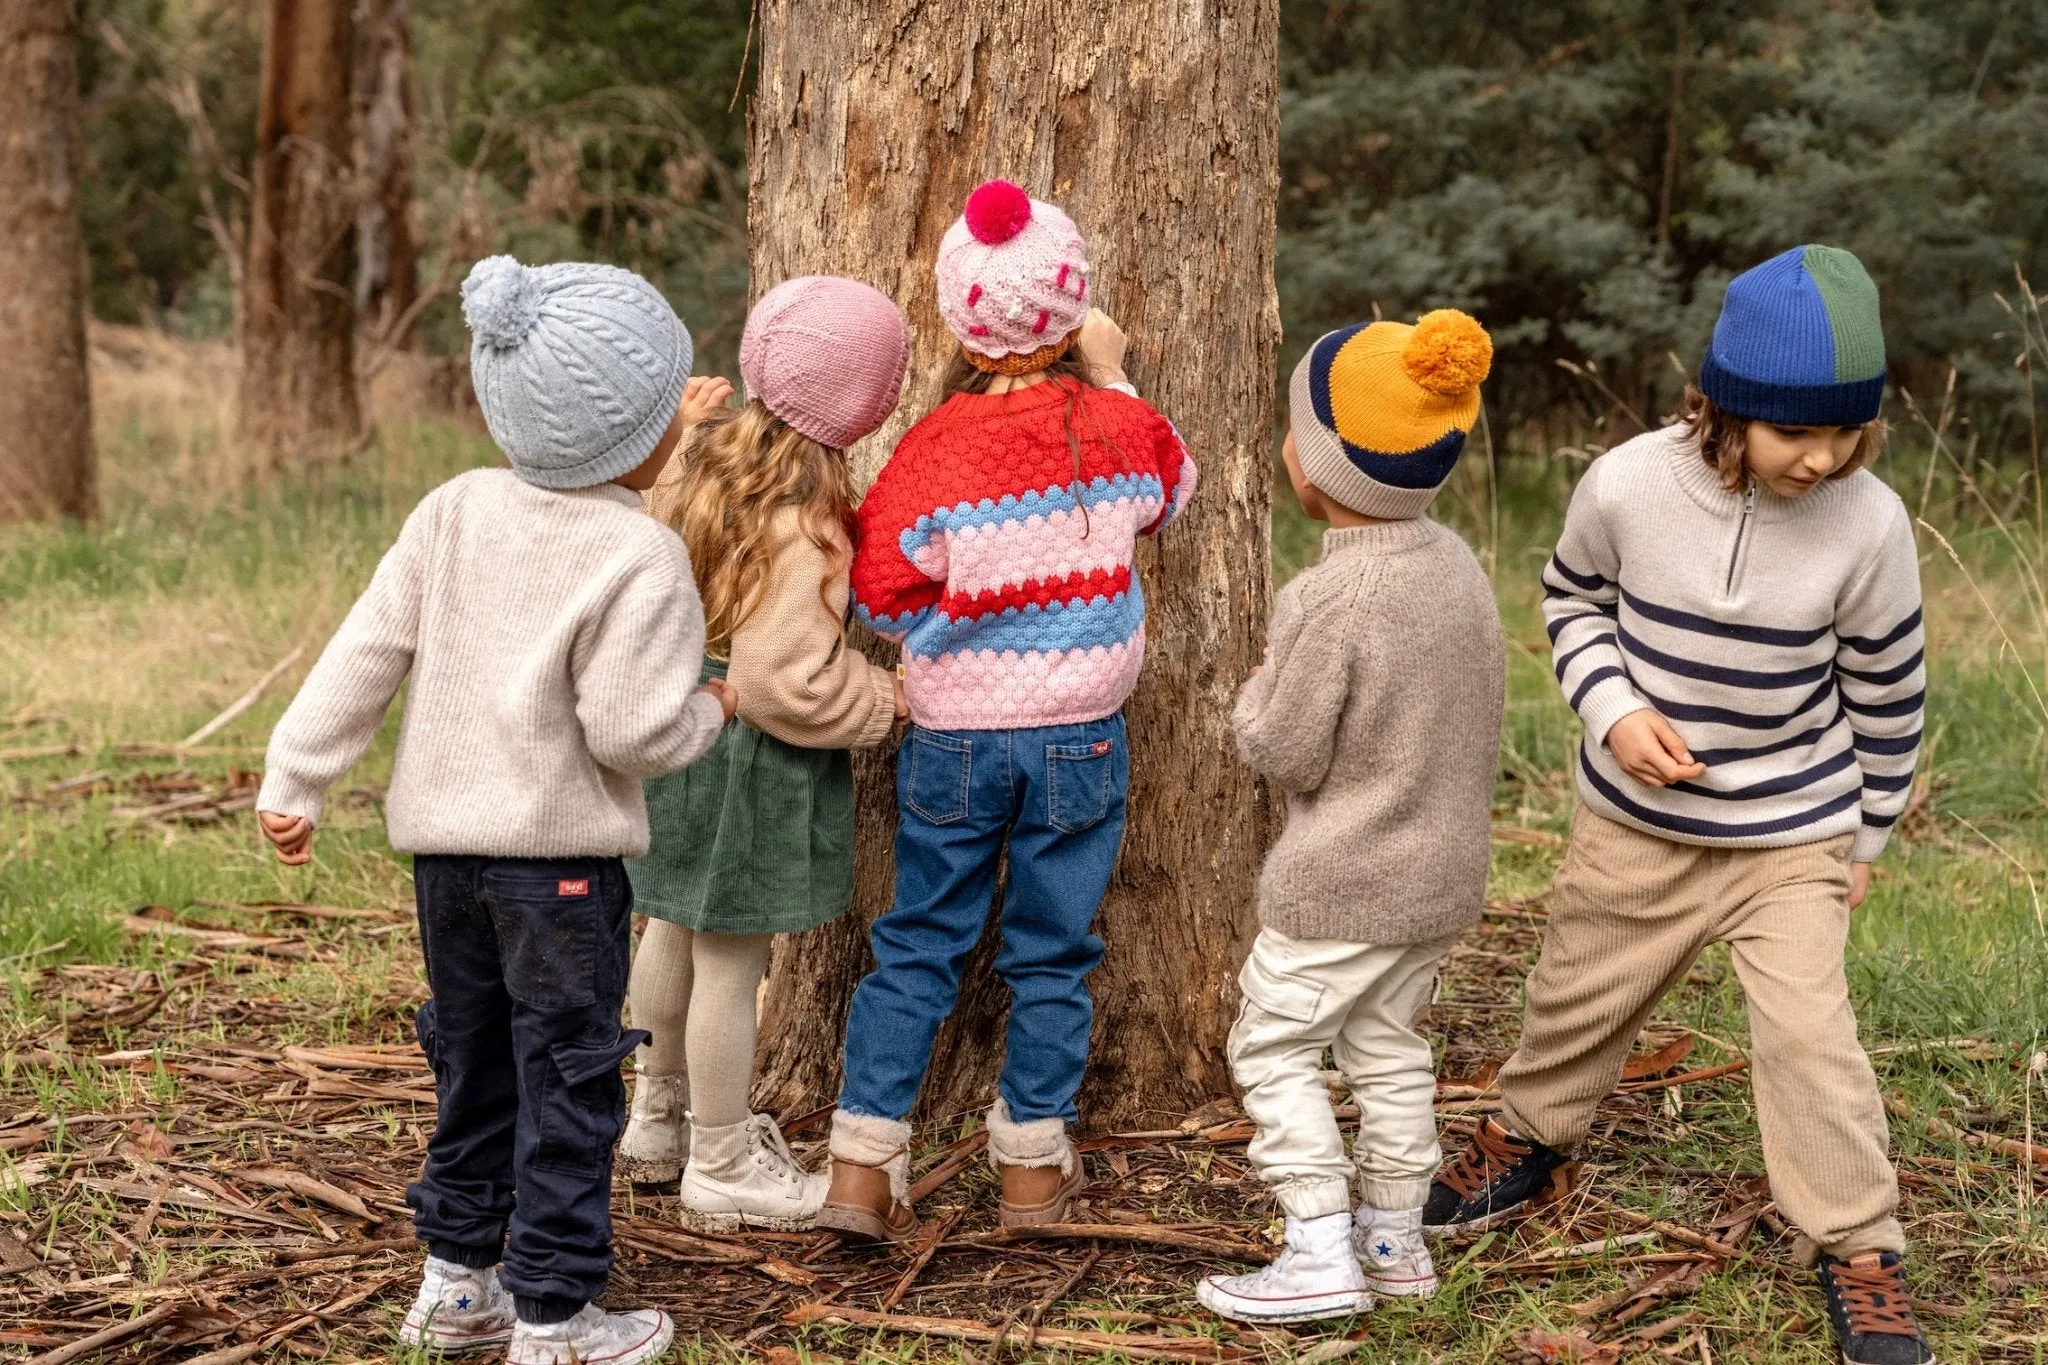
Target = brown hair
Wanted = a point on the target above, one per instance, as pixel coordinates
(1723, 439)
(742, 468)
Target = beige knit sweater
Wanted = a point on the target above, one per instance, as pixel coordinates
(798, 677)
(553, 640)
(1378, 715)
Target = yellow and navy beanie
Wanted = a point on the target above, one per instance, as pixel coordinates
(1380, 410)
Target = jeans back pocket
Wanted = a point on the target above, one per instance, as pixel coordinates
(936, 772)
(1078, 780)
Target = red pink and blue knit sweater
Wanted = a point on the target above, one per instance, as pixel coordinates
(1010, 581)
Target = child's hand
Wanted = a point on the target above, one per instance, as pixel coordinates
(1650, 751)
(902, 701)
(704, 394)
(728, 695)
(1102, 345)
(1859, 883)
(292, 835)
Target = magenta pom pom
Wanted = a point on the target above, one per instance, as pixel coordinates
(997, 211)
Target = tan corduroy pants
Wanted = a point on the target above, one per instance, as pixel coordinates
(1629, 914)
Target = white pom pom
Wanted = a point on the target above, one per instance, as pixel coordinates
(500, 301)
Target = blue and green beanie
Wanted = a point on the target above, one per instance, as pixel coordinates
(1799, 342)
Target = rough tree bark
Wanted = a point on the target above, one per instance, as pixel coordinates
(1155, 124)
(298, 383)
(387, 274)
(46, 455)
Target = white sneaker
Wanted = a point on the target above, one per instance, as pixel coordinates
(458, 1309)
(744, 1176)
(1389, 1245)
(657, 1139)
(593, 1337)
(1315, 1277)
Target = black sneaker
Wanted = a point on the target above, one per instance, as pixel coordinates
(1872, 1313)
(1495, 1177)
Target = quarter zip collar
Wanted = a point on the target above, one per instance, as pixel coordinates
(1702, 483)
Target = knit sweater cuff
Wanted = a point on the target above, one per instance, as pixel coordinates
(882, 714)
(1870, 841)
(1607, 703)
(281, 795)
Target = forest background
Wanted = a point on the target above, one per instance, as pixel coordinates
(1582, 176)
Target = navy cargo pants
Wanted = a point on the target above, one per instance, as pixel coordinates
(527, 961)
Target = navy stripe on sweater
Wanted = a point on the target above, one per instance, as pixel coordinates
(1722, 630)
(1878, 744)
(1591, 582)
(1887, 782)
(1865, 645)
(1714, 829)
(1885, 676)
(1556, 628)
(1904, 706)
(1561, 662)
(1804, 739)
(1774, 786)
(1742, 720)
(1716, 673)
(1593, 680)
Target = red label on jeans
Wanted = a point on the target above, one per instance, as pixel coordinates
(1102, 746)
(580, 888)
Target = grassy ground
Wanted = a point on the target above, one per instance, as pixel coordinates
(150, 1075)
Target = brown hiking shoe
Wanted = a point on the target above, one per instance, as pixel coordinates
(1038, 1194)
(860, 1204)
(1497, 1176)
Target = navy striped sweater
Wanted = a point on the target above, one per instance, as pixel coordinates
(1780, 637)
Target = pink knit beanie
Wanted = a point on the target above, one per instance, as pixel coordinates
(826, 355)
(1013, 273)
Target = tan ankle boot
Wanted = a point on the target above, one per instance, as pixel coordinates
(868, 1198)
(1041, 1170)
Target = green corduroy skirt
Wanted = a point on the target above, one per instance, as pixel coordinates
(755, 837)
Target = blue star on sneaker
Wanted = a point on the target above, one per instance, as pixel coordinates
(1383, 1250)
(463, 1302)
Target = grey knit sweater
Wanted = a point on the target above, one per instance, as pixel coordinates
(1780, 637)
(1378, 715)
(553, 640)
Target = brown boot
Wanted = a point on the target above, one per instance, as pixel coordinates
(1038, 1194)
(861, 1205)
(1041, 1170)
(868, 1199)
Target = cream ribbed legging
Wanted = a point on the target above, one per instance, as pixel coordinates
(695, 993)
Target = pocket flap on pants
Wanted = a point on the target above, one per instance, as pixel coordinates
(580, 1062)
(1275, 992)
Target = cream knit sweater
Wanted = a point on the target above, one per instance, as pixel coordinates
(1378, 715)
(553, 640)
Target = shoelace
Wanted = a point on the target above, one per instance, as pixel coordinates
(766, 1139)
(1874, 1297)
(1493, 1149)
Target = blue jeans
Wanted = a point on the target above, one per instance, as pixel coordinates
(1055, 795)
(526, 958)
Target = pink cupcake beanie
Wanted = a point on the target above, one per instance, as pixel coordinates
(826, 355)
(1013, 274)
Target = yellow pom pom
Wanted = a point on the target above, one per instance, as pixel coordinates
(1449, 353)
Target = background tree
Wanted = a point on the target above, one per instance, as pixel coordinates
(1154, 124)
(298, 377)
(387, 273)
(46, 452)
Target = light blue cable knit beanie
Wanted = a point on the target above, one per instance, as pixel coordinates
(578, 368)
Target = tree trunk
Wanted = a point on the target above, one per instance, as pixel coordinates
(46, 456)
(387, 276)
(298, 391)
(1155, 124)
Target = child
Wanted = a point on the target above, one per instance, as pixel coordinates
(997, 545)
(1378, 714)
(1734, 609)
(552, 636)
(756, 838)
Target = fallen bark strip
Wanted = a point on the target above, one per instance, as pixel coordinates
(1193, 1349)
(1673, 1231)
(234, 1355)
(108, 1336)
(122, 1189)
(950, 1167)
(308, 1187)
(241, 703)
(1152, 1234)
(1936, 1127)
(347, 1251)
(1686, 1078)
(925, 1252)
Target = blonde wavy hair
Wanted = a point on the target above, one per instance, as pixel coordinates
(739, 469)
